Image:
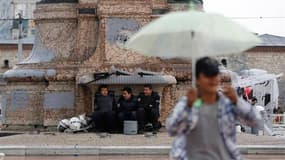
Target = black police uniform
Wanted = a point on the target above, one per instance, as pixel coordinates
(148, 110)
(127, 109)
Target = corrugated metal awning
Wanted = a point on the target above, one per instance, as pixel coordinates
(128, 79)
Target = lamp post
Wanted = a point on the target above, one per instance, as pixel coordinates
(20, 45)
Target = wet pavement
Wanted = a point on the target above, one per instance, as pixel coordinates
(247, 157)
(93, 139)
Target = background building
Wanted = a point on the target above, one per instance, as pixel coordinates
(9, 30)
(9, 14)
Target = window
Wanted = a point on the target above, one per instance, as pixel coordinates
(33, 31)
(6, 63)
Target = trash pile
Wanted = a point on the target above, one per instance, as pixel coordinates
(75, 124)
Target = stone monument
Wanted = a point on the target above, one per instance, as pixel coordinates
(75, 39)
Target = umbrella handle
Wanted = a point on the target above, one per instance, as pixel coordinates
(193, 72)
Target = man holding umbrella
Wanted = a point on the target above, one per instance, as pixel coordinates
(205, 119)
(204, 112)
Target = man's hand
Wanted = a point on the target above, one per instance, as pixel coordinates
(229, 92)
(191, 97)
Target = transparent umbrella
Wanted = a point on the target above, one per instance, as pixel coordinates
(192, 34)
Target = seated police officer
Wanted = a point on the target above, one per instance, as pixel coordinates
(104, 110)
(127, 106)
(148, 108)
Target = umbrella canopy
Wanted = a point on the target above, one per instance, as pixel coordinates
(192, 34)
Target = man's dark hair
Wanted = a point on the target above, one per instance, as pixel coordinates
(208, 66)
(148, 86)
(127, 89)
(102, 86)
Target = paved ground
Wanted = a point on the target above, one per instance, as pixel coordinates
(44, 143)
(92, 139)
(251, 157)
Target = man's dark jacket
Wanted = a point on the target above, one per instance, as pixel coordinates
(127, 105)
(104, 103)
(147, 102)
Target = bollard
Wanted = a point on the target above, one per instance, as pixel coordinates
(284, 118)
(2, 156)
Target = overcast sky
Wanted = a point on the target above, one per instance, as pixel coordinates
(253, 8)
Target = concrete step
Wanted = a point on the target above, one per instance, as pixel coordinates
(120, 150)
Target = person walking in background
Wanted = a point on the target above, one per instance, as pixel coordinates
(254, 130)
(204, 120)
